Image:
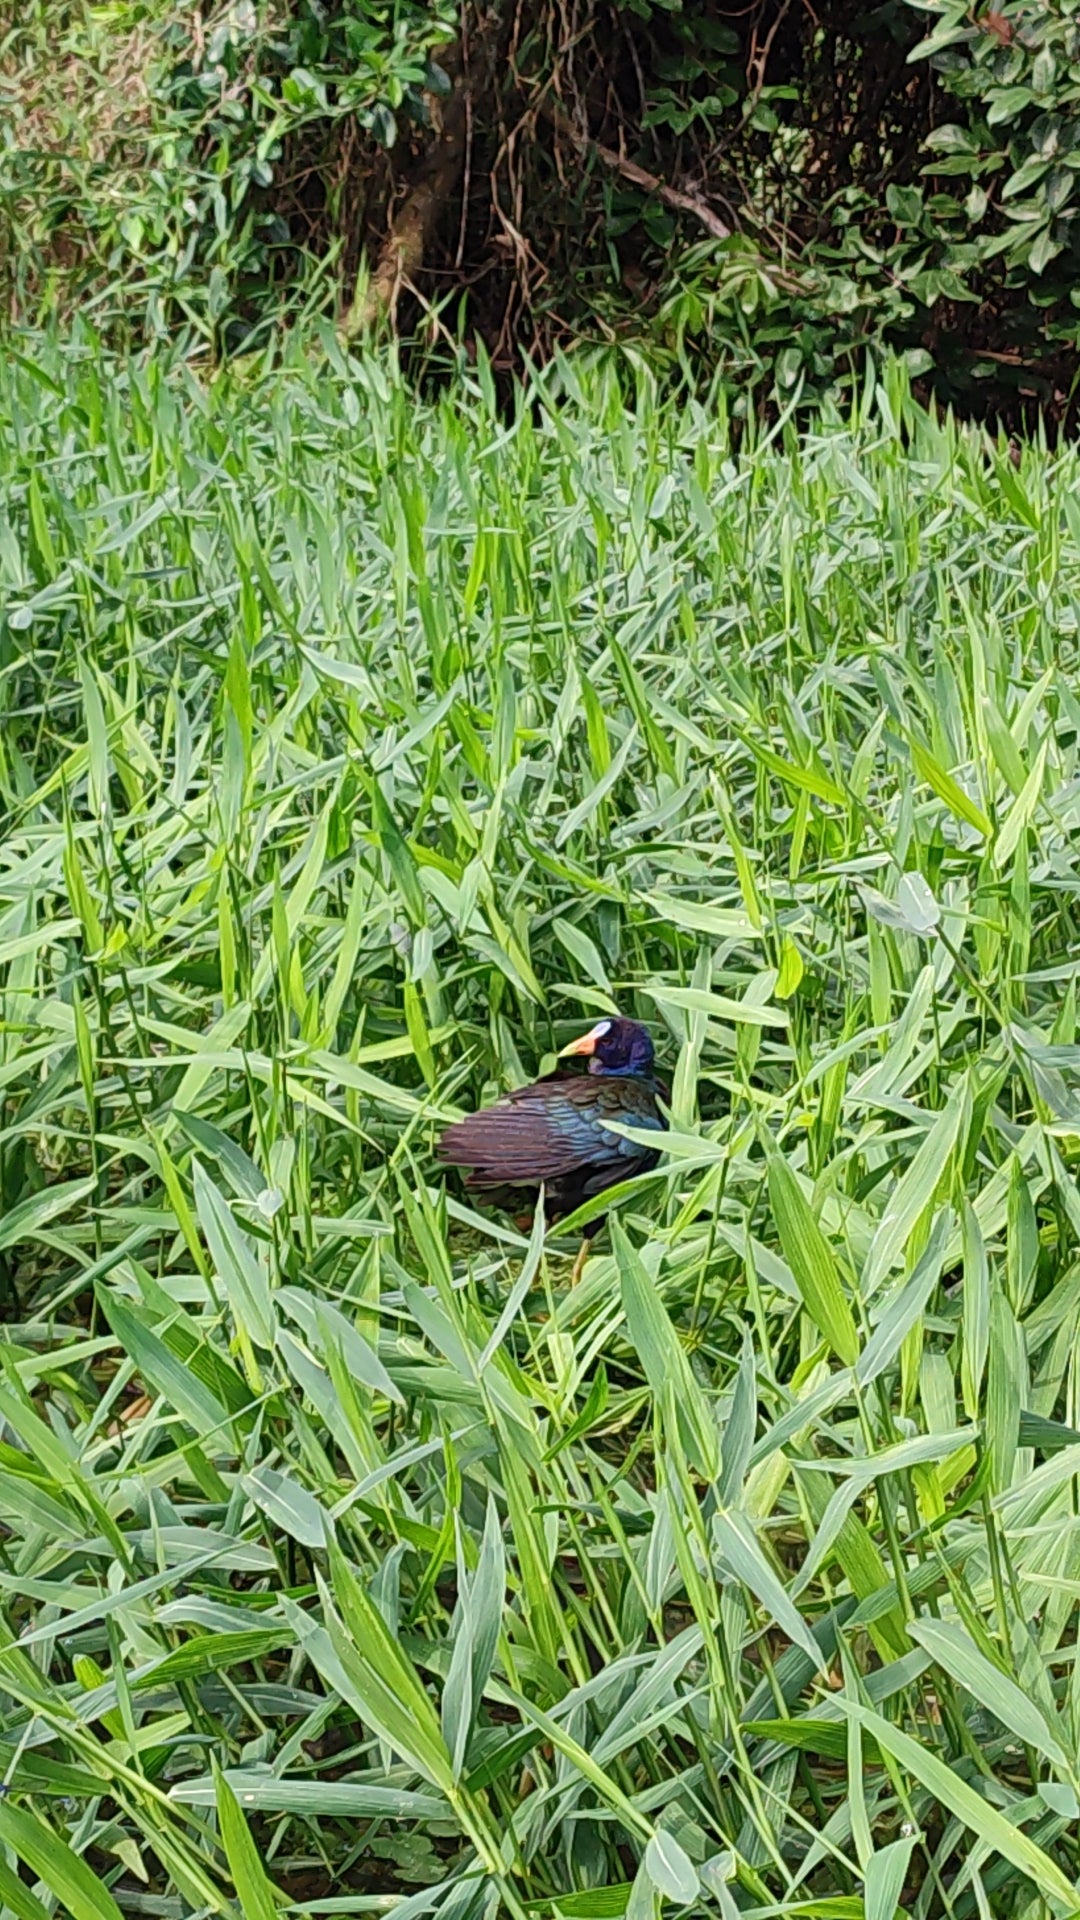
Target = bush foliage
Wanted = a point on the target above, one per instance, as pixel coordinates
(157, 160)
(906, 172)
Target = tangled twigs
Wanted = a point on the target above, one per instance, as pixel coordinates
(677, 197)
(759, 55)
(412, 226)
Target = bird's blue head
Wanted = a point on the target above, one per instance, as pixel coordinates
(616, 1047)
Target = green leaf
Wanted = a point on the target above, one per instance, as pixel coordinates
(720, 1006)
(660, 1351)
(163, 1373)
(738, 1437)
(991, 1827)
(811, 1260)
(288, 1506)
(738, 1551)
(247, 1181)
(36, 1210)
(886, 1872)
(1048, 1436)
(723, 923)
(383, 1683)
(916, 1191)
(976, 1313)
(78, 1888)
(17, 1895)
(214, 1653)
(1021, 813)
(258, 1896)
(477, 1624)
(803, 779)
(950, 1644)
(309, 1797)
(241, 1270)
(1004, 1391)
(670, 1868)
(906, 1305)
(949, 790)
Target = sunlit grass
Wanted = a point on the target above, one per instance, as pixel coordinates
(357, 749)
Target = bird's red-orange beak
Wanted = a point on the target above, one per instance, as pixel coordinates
(587, 1043)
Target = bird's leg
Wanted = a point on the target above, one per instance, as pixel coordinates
(579, 1264)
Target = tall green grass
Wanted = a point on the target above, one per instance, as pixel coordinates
(357, 748)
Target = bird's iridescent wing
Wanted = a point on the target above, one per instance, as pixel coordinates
(551, 1129)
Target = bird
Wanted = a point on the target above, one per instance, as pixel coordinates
(554, 1133)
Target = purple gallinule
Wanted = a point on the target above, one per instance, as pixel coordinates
(555, 1133)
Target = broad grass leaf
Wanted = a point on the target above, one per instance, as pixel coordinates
(299, 1794)
(583, 1762)
(256, 1892)
(163, 1372)
(738, 1436)
(248, 1183)
(212, 1653)
(23, 1499)
(976, 1313)
(654, 1693)
(884, 1877)
(950, 791)
(859, 1474)
(1002, 745)
(532, 1544)
(915, 909)
(97, 740)
(737, 1551)
(791, 970)
(1005, 1391)
(950, 1644)
(694, 1025)
(915, 1192)
(858, 1813)
(719, 1006)
(803, 779)
(325, 1326)
(985, 1821)
(357, 917)
(1021, 1241)
(637, 1185)
(698, 916)
(17, 1896)
(810, 1735)
(662, 1355)
(811, 1260)
(583, 950)
(317, 1385)
(671, 1869)
(586, 808)
(476, 1628)
(1020, 814)
(241, 1270)
(530, 1266)
(25, 1219)
(1048, 1436)
(288, 1505)
(383, 1681)
(66, 1874)
(904, 1308)
(648, 708)
(206, 1047)
(399, 858)
(373, 1698)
